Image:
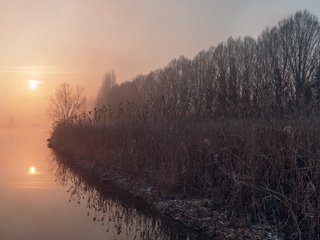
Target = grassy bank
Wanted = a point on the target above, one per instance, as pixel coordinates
(118, 202)
(265, 172)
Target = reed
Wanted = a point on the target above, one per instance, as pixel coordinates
(266, 171)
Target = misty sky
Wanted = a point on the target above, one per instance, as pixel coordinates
(77, 41)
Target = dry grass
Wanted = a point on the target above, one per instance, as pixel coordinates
(269, 172)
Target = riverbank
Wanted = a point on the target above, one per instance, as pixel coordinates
(202, 217)
(105, 195)
(218, 178)
(212, 215)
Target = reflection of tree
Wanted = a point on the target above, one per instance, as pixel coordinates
(119, 214)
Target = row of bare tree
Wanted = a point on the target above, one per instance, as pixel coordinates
(276, 75)
(268, 174)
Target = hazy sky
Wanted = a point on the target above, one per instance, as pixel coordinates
(77, 41)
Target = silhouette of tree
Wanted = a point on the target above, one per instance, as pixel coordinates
(66, 103)
(108, 82)
(271, 76)
(300, 38)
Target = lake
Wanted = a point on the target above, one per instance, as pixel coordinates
(42, 199)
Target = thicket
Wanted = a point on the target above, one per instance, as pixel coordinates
(237, 124)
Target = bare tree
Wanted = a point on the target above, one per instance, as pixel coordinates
(233, 91)
(108, 82)
(66, 103)
(221, 64)
(300, 36)
(274, 75)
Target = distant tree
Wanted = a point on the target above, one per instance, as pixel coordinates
(275, 75)
(204, 86)
(108, 82)
(233, 78)
(221, 63)
(66, 103)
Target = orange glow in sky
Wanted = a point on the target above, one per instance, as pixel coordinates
(46, 43)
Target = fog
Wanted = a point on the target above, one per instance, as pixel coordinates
(77, 41)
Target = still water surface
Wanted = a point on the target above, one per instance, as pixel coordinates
(50, 202)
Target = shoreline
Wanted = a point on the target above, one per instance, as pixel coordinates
(206, 218)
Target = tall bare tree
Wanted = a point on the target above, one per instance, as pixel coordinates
(300, 36)
(271, 76)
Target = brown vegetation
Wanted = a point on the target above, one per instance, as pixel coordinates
(267, 172)
(168, 127)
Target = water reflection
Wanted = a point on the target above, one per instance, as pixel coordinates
(35, 206)
(120, 215)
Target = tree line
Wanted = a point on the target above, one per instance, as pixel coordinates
(275, 75)
(267, 172)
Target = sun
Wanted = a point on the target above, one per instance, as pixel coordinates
(32, 170)
(33, 84)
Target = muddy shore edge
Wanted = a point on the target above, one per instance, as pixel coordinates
(203, 216)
